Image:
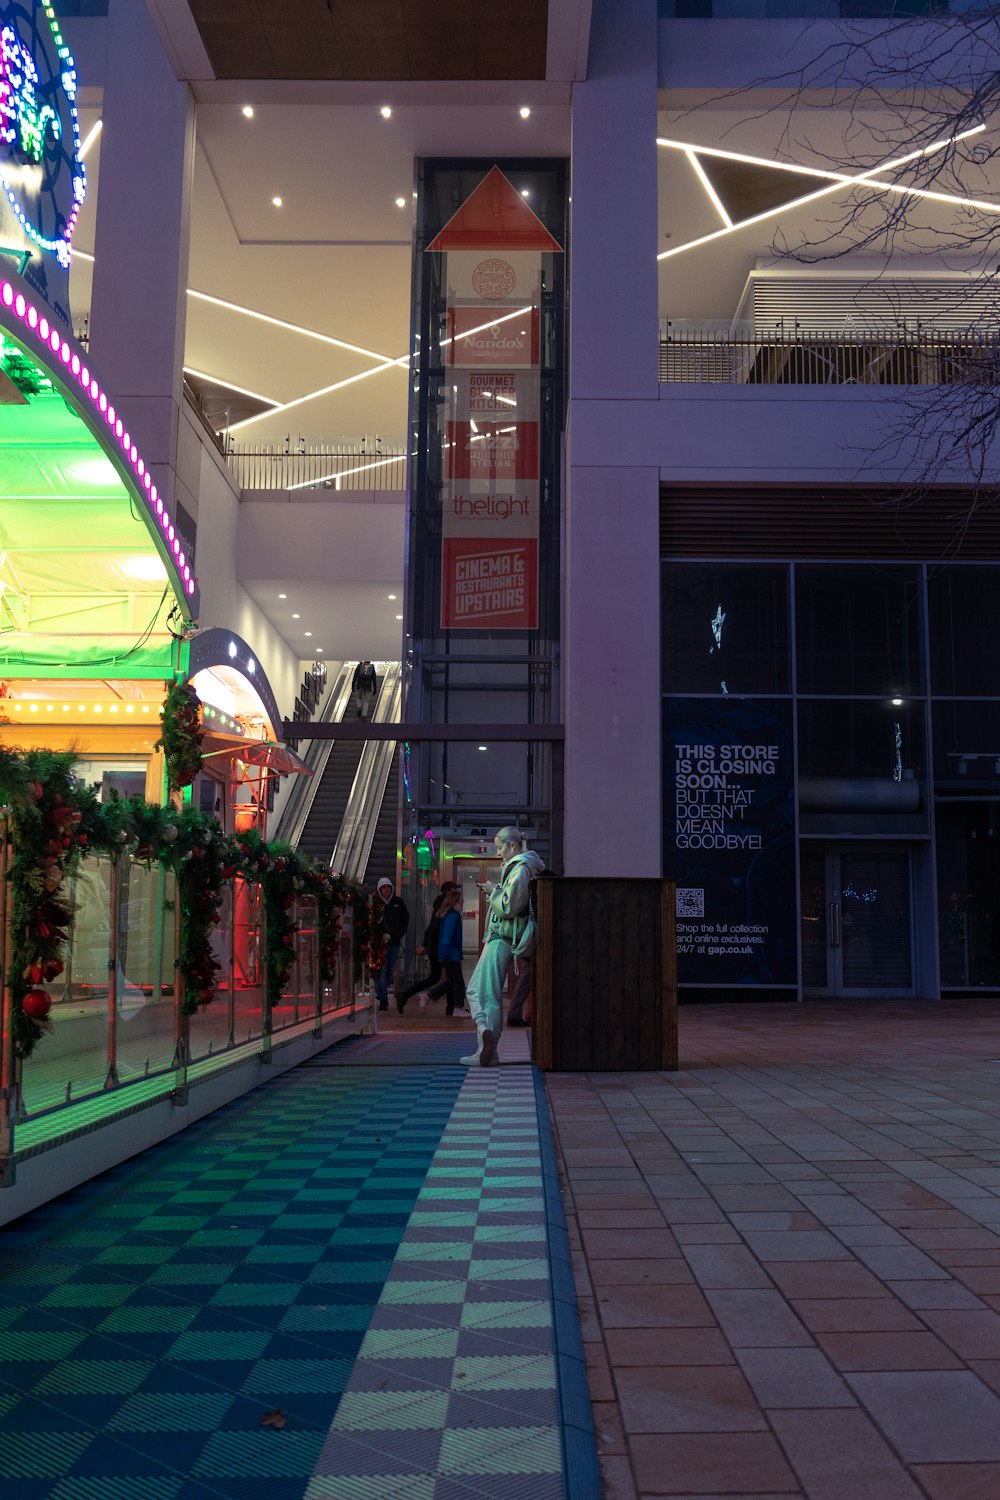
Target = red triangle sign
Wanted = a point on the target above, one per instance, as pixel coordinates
(494, 216)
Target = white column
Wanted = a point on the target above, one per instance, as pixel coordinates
(138, 305)
(612, 622)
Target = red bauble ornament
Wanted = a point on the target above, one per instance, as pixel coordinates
(37, 1004)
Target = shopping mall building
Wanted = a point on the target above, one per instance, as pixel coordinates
(571, 361)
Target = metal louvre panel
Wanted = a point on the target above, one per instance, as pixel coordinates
(853, 301)
(827, 523)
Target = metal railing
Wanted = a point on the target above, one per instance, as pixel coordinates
(308, 464)
(793, 356)
(117, 1025)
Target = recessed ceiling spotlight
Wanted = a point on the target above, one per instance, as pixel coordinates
(385, 112)
(482, 747)
(276, 201)
(296, 617)
(282, 596)
(400, 202)
(308, 632)
(319, 650)
(524, 111)
(399, 617)
(391, 596)
(248, 111)
(525, 192)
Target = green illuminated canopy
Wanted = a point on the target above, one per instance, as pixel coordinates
(83, 588)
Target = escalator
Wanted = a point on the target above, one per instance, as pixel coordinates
(346, 813)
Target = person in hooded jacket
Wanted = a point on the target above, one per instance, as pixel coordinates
(507, 932)
(430, 948)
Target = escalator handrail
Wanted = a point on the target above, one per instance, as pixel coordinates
(357, 830)
(295, 813)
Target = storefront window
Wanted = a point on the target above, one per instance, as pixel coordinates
(861, 767)
(725, 628)
(858, 628)
(968, 856)
(961, 607)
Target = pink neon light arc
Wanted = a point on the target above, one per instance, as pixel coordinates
(53, 341)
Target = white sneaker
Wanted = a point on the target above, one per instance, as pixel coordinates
(461, 1010)
(422, 999)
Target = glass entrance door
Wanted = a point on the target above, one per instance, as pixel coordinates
(856, 927)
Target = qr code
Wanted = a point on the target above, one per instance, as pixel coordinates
(690, 902)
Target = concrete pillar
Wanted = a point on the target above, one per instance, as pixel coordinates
(612, 633)
(138, 304)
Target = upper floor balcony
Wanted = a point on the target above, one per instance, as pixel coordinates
(789, 354)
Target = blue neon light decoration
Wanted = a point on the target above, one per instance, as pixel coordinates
(41, 171)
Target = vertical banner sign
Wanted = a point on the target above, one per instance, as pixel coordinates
(729, 839)
(490, 491)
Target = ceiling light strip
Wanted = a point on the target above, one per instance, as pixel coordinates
(327, 390)
(229, 386)
(835, 182)
(467, 333)
(92, 135)
(716, 201)
(309, 333)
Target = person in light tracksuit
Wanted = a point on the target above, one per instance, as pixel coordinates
(506, 926)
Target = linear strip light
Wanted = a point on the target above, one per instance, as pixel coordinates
(92, 135)
(835, 181)
(228, 385)
(700, 173)
(338, 385)
(309, 333)
(343, 473)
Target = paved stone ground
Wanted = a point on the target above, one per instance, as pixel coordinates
(788, 1254)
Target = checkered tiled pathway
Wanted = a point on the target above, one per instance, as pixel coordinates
(351, 1284)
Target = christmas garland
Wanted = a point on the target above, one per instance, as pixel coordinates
(54, 821)
(181, 735)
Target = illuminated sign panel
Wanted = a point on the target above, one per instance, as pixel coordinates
(41, 172)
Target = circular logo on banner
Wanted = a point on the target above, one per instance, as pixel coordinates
(494, 278)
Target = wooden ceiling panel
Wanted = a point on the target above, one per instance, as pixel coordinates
(305, 52)
(374, 39)
(228, 12)
(359, 40)
(237, 51)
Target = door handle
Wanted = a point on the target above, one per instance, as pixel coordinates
(834, 924)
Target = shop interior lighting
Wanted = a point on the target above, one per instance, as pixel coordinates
(833, 180)
(400, 202)
(91, 137)
(524, 112)
(385, 112)
(248, 111)
(276, 201)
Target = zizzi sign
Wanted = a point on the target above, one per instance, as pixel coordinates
(41, 171)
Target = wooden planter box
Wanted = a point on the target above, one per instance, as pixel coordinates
(605, 976)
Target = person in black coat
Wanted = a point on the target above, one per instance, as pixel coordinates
(365, 685)
(395, 921)
(430, 948)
